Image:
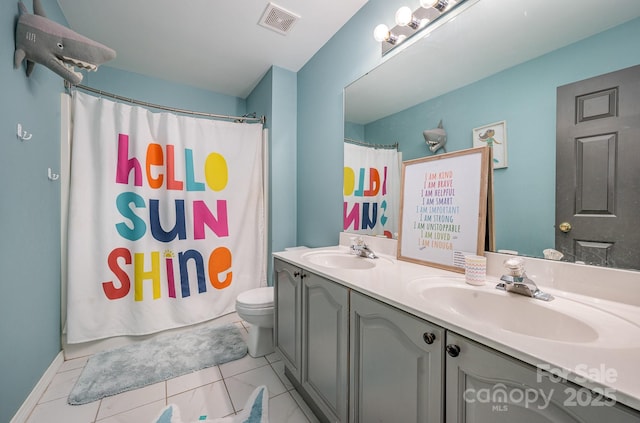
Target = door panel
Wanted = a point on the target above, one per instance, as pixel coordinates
(287, 330)
(598, 170)
(396, 375)
(325, 373)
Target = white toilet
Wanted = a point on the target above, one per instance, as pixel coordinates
(256, 307)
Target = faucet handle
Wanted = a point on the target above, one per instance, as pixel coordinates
(515, 266)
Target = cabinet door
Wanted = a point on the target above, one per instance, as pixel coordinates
(287, 301)
(325, 345)
(483, 385)
(396, 365)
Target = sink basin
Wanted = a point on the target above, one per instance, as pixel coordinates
(561, 320)
(341, 260)
(529, 317)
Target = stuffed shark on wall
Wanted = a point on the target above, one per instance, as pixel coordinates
(40, 40)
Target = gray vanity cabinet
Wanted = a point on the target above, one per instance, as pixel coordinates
(396, 365)
(483, 385)
(288, 315)
(355, 359)
(325, 339)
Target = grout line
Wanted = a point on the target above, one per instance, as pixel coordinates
(226, 388)
(95, 419)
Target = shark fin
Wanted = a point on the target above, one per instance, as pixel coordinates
(18, 57)
(38, 9)
(22, 7)
(30, 66)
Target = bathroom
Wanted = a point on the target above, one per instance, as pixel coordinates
(303, 165)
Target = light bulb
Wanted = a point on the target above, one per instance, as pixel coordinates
(439, 5)
(404, 15)
(381, 33)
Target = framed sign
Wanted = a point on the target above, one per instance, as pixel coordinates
(495, 136)
(443, 213)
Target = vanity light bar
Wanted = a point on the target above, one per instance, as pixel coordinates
(409, 23)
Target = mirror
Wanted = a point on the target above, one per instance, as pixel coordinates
(495, 62)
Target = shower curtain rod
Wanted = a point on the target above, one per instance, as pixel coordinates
(238, 119)
(366, 144)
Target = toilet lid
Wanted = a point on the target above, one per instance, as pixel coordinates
(258, 297)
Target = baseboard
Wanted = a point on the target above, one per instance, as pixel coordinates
(32, 400)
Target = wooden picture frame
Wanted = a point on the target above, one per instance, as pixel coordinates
(443, 208)
(495, 136)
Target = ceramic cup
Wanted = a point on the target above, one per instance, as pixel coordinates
(475, 270)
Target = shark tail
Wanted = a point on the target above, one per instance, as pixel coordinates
(38, 9)
(18, 57)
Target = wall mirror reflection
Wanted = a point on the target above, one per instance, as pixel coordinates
(503, 61)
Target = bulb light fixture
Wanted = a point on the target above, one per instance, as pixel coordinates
(408, 22)
(381, 33)
(439, 5)
(405, 17)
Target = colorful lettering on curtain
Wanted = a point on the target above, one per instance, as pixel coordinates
(166, 219)
(371, 188)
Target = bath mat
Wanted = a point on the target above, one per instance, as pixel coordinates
(154, 360)
(256, 410)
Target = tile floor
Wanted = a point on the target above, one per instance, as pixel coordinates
(213, 392)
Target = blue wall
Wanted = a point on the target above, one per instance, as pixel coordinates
(29, 219)
(283, 160)
(157, 91)
(524, 96)
(348, 55)
(275, 97)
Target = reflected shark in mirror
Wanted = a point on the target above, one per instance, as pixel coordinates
(436, 138)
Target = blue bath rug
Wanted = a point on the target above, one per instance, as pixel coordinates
(155, 360)
(256, 410)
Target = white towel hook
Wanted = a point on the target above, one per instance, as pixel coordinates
(52, 176)
(23, 135)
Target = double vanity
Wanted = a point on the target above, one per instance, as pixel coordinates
(382, 340)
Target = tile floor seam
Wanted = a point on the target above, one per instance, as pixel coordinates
(226, 388)
(95, 418)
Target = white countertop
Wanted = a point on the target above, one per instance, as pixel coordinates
(608, 363)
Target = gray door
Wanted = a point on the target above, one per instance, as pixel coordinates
(598, 170)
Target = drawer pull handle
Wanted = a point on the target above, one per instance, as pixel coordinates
(429, 337)
(453, 350)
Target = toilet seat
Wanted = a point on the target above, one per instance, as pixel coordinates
(256, 298)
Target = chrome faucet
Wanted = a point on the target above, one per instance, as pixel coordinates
(518, 282)
(360, 248)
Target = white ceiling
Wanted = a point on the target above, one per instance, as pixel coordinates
(211, 44)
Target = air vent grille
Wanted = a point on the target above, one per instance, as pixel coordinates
(278, 19)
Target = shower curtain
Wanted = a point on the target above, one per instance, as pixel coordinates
(166, 219)
(371, 188)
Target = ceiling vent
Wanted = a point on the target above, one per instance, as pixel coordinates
(278, 19)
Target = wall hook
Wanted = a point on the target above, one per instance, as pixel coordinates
(52, 176)
(22, 134)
